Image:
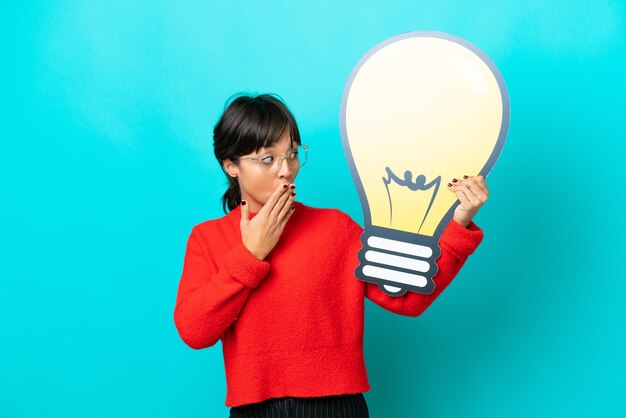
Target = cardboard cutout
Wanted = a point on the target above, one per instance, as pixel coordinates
(418, 109)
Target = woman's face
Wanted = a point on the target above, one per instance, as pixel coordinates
(257, 186)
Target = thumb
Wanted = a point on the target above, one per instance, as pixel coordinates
(245, 212)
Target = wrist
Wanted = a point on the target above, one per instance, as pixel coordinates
(259, 256)
(255, 252)
(463, 221)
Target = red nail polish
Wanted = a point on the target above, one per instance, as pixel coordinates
(464, 177)
(454, 180)
(284, 186)
(243, 202)
(449, 184)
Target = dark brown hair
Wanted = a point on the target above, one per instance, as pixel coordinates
(248, 124)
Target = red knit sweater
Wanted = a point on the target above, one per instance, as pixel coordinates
(292, 324)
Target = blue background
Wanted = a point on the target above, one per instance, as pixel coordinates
(107, 162)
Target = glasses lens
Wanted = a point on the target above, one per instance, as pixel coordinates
(295, 158)
(302, 154)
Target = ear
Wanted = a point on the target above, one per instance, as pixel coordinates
(231, 168)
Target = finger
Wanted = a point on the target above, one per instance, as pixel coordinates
(471, 196)
(275, 212)
(271, 202)
(479, 184)
(245, 213)
(290, 212)
(286, 209)
(483, 183)
(476, 189)
(462, 196)
(465, 195)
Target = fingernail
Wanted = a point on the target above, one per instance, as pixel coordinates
(449, 184)
(293, 186)
(243, 202)
(464, 177)
(453, 180)
(284, 186)
(293, 193)
(293, 207)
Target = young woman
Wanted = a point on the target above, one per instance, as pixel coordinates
(274, 279)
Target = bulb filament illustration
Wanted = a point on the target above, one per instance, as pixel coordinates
(419, 184)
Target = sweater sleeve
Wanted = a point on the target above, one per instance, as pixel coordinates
(212, 290)
(457, 243)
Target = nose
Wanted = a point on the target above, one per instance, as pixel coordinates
(284, 170)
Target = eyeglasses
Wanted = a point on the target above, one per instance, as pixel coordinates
(270, 163)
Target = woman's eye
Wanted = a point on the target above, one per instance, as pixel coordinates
(267, 160)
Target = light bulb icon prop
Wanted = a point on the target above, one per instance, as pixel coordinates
(418, 109)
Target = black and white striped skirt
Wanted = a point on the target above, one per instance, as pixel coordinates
(344, 406)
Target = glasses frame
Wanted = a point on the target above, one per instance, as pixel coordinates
(280, 159)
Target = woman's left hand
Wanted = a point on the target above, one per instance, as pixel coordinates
(473, 193)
